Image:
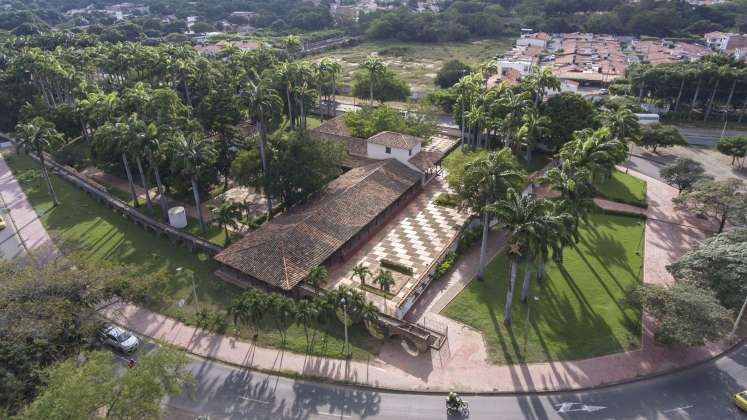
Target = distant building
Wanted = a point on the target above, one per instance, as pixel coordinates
(537, 39)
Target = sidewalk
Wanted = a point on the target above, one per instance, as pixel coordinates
(458, 367)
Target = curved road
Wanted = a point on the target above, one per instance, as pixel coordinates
(701, 392)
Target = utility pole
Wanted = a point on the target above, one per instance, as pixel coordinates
(739, 317)
(346, 349)
(461, 123)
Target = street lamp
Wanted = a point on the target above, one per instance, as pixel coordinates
(739, 317)
(194, 288)
(346, 348)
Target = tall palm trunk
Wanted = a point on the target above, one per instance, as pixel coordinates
(527, 281)
(161, 190)
(261, 127)
(370, 88)
(541, 268)
(186, 90)
(302, 117)
(744, 108)
(334, 96)
(321, 109)
(695, 99)
(290, 105)
(144, 181)
(196, 193)
(510, 292)
(731, 95)
(52, 194)
(129, 179)
(484, 244)
(679, 96)
(640, 92)
(710, 101)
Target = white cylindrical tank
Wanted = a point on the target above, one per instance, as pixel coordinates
(178, 217)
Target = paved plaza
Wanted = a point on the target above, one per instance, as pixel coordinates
(415, 238)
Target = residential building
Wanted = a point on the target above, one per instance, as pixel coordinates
(536, 39)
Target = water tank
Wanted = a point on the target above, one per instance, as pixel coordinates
(178, 217)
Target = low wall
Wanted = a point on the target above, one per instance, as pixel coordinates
(99, 193)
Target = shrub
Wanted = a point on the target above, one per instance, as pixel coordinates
(393, 265)
(469, 237)
(447, 200)
(445, 265)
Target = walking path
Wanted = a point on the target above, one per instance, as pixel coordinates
(459, 367)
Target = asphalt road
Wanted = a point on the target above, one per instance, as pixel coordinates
(645, 166)
(702, 392)
(706, 136)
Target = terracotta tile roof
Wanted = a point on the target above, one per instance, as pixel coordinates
(336, 130)
(426, 159)
(396, 140)
(335, 126)
(283, 252)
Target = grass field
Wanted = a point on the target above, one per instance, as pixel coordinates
(624, 188)
(415, 63)
(580, 310)
(81, 224)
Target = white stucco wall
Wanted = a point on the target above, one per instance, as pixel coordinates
(378, 151)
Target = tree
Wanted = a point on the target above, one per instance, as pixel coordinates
(192, 153)
(533, 131)
(361, 271)
(486, 180)
(387, 86)
(450, 73)
(249, 309)
(306, 314)
(622, 123)
(283, 311)
(656, 135)
(568, 112)
(97, 388)
(39, 136)
(686, 314)
(385, 280)
(367, 122)
(48, 312)
(375, 68)
(734, 146)
(574, 183)
(682, 173)
(317, 276)
(719, 199)
(226, 215)
(718, 264)
(260, 101)
(541, 80)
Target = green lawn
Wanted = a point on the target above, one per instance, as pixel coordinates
(81, 224)
(624, 188)
(580, 311)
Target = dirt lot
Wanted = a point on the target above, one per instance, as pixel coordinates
(415, 63)
(715, 164)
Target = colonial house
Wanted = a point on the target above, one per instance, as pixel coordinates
(383, 174)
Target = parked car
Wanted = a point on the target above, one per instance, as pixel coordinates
(119, 339)
(741, 400)
(2, 223)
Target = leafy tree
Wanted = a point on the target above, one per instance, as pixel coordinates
(719, 263)
(734, 146)
(83, 390)
(450, 73)
(317, 276)
(39, 136)
(568, 112)
(720, 199)
(486, 180)
(686, 314)
(367, 122)
(656, 135)
(386, 86)
(683, 173)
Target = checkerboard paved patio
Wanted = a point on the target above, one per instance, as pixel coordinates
(415, 238)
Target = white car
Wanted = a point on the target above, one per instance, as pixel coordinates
(119, 339)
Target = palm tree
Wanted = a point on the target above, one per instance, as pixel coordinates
(191, 154)
(533, 131)
(306, 313)
(369, 314)
(139, 132)
(361, 271)
(540, 80)
(525, 218)
(226, 215)
(249, 309)
(385, 280)
(120, 137)
(283, 310)
(317, 276)
(516, 104)
(575, 188)
(488, 69)
(375, 67)
(721, 72)
(38, 136)
(485, 181)
(261, 101)
(328, 70)
(286, 73)
(153, 153)
(467, 90)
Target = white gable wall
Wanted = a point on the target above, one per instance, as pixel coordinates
(378, 151)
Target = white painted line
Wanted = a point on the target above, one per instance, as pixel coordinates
(253, 400)
(340, 416)
(677, 409)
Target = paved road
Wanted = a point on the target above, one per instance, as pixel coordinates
(645, 166)
(706, 136)
(703, 392)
